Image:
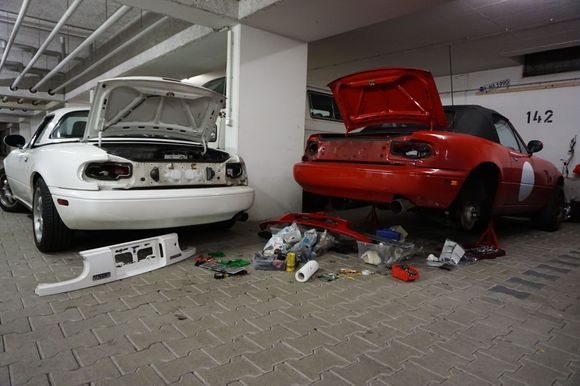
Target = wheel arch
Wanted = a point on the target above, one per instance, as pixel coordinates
(33, 178)
(491, 175)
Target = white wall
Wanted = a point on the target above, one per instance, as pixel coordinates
(564, 102)
(268, 115)
(28, 127)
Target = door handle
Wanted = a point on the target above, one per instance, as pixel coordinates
(26, 159)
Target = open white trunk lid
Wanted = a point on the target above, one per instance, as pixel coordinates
(154, 108)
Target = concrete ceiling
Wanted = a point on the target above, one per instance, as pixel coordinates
(483, 34)
(343, 35)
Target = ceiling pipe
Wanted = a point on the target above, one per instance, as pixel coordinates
(122, 11)
(23, 9)
(68, 13)
(28, 48)
(47, 26)
(110, 54)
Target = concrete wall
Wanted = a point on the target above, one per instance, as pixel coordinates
(269, 84)
(520, 107)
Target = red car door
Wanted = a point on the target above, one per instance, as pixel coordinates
(523, 177)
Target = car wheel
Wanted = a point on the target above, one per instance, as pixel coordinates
(7, 201)
(50, 233)
(474, 207)
(313, 202)
(551, 215)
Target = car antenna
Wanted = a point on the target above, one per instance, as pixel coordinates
(450, 73)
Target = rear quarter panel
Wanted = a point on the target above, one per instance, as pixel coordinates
(466, 152)
(61, 165)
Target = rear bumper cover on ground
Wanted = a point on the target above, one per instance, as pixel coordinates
(425, 187)
(120, 261)
(150, 209)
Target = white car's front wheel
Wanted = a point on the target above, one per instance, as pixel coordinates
(50, 233)
(7, 201)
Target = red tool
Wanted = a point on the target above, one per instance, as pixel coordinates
(199, 260)
(319, 220)
(404, 272)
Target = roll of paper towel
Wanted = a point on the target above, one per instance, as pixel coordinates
(306, 271)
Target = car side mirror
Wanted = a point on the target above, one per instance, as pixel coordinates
(14, 140)
(535, 146)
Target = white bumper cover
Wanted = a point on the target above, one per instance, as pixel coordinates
(120, 261)
(150, 209)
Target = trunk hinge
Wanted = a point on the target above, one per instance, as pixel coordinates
(204, 142)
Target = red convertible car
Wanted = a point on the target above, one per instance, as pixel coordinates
(403, 148)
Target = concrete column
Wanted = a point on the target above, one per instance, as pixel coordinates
(267, 74)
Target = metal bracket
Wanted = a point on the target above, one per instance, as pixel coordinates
(120, 261)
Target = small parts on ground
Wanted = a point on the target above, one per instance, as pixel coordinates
(222, 267)
(371, 257)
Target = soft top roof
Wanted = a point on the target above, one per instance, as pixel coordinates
(473, 120)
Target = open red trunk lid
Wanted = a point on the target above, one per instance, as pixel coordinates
(388, 95)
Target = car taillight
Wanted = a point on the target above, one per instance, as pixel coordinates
(411, 149)
(312, 148)
(234, 170)
(108, 171)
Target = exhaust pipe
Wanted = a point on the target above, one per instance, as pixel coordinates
(401, 205)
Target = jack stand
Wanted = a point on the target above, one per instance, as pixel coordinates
(373, 216)
(488, 237)
(487, 247)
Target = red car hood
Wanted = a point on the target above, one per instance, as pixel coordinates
(388, 95)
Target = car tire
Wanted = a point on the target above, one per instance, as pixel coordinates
(7, 202)
(49, 232)
(551, 216)
(313, 202)
(474, 207)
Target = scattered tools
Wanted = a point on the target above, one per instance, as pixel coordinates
(199, 260)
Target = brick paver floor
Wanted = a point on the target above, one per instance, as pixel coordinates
(514, 320)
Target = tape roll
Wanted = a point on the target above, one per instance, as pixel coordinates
(307, 271)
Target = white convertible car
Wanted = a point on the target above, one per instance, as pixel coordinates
(140, 159)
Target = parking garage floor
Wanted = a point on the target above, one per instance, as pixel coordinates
(514, 320)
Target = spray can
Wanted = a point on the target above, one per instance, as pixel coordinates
(290, 261)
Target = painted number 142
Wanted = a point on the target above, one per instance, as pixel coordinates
(536, 116)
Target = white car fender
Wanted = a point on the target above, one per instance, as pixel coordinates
(62, 165)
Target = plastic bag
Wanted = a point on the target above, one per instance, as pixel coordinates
(325, 242)
(283, 240)
(303, 248)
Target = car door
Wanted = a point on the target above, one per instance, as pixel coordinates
(521, 176)
(18, 163)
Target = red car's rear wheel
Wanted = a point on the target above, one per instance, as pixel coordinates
(551, 215)
(473, 207)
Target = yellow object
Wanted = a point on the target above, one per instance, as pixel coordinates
(290, 261)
